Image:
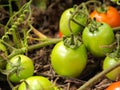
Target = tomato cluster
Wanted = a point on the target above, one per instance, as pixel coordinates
(21, 68)
(97, 36)
(69, 57)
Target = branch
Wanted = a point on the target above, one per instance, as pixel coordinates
(35, 46)
(96, 78)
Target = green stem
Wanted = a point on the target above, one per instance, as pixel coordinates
(17, 13)
(118, 46)
(98, 77)
(10, 8)
(32, 47)
(4, 5)
(18, 3)
(93, 1)
(46, 43)
(8, 45)
(15, 38)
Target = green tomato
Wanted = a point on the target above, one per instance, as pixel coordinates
(95, 41)
(109, 62)
(67, 61)
(64, 19)
(115, 1)
(24, 66)
(36, 83)
(4, 50)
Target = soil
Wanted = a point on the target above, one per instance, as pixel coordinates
(46, 21)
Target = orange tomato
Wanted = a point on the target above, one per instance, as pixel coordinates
(114, 86)
(111, 16)
(60, 34)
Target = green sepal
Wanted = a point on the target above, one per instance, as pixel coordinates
(71, 42)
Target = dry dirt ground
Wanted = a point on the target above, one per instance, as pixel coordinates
(47, 22)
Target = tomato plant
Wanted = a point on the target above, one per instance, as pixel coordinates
(97, 35)
(109, 15)
(36, 83)
(64, 20)
(114, 86)
(68, 61)
(111, 60)
(4, 50)
(21, 66)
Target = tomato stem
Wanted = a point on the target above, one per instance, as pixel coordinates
(94, 25)
(33, 47)
(97, 77)
(93, 1)
(118, 45)
(78, 11)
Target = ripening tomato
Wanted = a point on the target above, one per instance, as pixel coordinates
(107, 63)
(36, 83)
(114, 86)
(24, 68)
(63, 24)
(4, 50)
(111, 16)
(96, 38)
(60, 34)
(69, 62)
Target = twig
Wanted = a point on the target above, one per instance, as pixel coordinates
(39, 34)
(33, 47)
(96, 78)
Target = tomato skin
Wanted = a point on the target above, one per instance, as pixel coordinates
(108, 62)
(60, 34)
(67, 61)
(26, 64)
(114, 86)
(63, 24)
(4, 50)
(37, 83)
(95, 40)
(111, 17)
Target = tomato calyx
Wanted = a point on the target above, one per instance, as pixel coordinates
(16, 68)
(71, 42)
(94, 25)
(102, 9)
(80, 12)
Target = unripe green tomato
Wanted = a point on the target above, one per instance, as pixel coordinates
(64, 19)
(67, 61)
(25, 68)
(4, 50)
(115, 1)
(97, 40)
(109, 62)
(36, 83)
